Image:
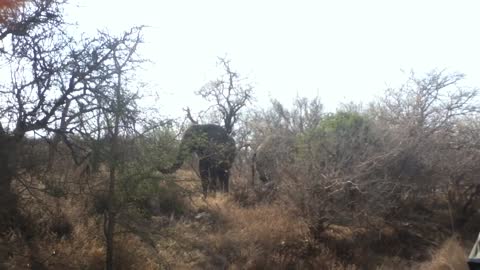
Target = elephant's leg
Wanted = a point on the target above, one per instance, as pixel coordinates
(204, 175)
(218, 173)
(212, 179)
(264, 177)
(223, 177)
(264, 174)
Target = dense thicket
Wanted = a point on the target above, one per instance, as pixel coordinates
(408, 159)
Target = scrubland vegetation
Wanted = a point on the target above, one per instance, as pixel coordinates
(388, 185)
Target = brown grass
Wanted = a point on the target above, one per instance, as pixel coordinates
(224, 235)
(264, 236)
(82, 248)
(220, 232)
(450, 256)
(271, 225)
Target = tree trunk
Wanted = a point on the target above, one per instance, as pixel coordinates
(111, 213)
(52, 150)
(8, 200)
(111, 210)
(114, 160)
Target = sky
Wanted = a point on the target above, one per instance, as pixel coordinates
(342, 51)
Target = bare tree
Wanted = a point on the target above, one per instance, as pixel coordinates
(122, 117)
(229, 95)
(114, 117)
(32, 97)
(429, 103)
(52, 80)
(425, 122)
(304, 115)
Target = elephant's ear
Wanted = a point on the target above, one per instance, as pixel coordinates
(166, 170)
(229, 151)
(196, 142)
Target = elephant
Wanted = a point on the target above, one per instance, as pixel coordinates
(216, 152)
(270, 155)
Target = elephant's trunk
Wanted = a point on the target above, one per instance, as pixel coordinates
(178, 161)
(254, 162)
(172, 168)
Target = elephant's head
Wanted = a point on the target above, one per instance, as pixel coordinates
(209, 142)
(274, 152)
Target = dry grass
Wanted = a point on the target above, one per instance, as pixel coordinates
(450, 256)
(264, 236)
(224, 235)
(271, 225)
(220, 232)
(82, 248)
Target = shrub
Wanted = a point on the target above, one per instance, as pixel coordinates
(449, 256)
(340, 141)
(149, 194)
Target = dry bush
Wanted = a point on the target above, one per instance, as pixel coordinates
(394, 263)
(450, 256)
(247, 195)
(86, 250)
(61, 234)
(267, 236)
(258, 235)
(42, 244)
(270, 225)
(225, 235)
(409, 163)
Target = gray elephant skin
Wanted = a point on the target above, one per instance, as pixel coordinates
(270, 155)
(216, 151)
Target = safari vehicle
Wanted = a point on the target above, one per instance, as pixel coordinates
(474, 257)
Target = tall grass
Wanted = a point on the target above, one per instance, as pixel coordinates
(450, 256)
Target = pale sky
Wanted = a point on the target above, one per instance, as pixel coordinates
(341, 50)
